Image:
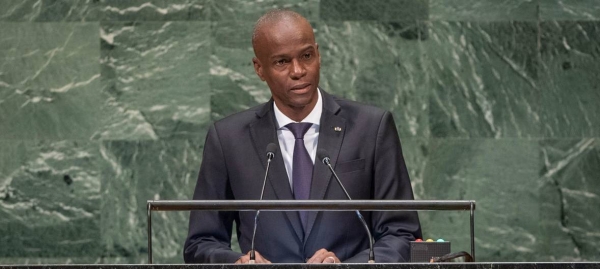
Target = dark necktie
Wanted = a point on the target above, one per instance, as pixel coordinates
(302, 167)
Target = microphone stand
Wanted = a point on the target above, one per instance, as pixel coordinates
(327, 162)
(270, 156)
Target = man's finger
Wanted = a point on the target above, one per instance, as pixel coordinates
(323, 256)
(315, 257)
(329, 259)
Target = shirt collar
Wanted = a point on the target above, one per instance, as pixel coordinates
(313, 117)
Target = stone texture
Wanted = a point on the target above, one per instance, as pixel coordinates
(588, 10)
(375, 10)
(49, 10)
(234, 84)
(50, 200)
(50, 81)
(483, 79)
(483, 10)
(141, 171)
(247, 12)
(502, 177)
(570, 56)
(389, 74)
(153, 10)
(570, 198)
(157, 78)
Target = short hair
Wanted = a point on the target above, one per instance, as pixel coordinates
(271, 16)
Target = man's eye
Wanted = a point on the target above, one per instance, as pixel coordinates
(307, 56)
(280, 62)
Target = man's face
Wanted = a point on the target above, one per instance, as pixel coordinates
(288, 59)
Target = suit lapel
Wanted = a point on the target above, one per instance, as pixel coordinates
(331, 135)
(263, 132)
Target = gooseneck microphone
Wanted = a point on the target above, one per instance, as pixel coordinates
(271, 149)
(323, 156)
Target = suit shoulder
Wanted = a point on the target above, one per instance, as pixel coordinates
(358, 108)
(240, 119)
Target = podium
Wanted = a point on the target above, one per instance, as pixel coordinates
(310, 205)
(472, 265)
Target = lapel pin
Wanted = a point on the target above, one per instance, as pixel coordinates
(337, 129)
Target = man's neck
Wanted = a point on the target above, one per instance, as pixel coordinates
(312, 115)
(296, 114)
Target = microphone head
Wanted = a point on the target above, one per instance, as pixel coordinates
(322, 155)
(271, 149)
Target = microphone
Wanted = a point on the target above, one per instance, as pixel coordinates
(323, 156)
(271, 149)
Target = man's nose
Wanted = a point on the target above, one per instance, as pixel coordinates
(298, 69)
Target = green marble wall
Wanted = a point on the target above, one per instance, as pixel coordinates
(104, 104)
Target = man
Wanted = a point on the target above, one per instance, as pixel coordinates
(361, 141)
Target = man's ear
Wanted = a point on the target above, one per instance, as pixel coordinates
(318, 53)
(258, 68)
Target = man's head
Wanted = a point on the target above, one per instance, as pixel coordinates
(287, 58)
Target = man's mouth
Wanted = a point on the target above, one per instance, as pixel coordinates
(301, 87)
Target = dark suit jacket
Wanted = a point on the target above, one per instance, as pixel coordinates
(367, 156)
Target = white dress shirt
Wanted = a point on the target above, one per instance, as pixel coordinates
(287, 140)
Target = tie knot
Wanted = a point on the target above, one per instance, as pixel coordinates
(299, 129)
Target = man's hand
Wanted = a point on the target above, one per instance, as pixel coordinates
(323, 256)
(246, 258)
